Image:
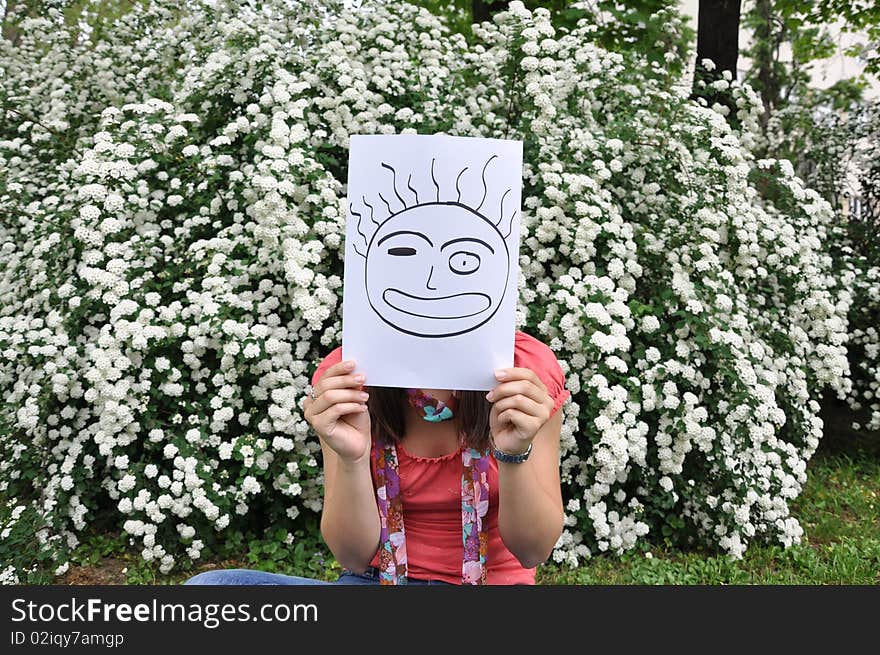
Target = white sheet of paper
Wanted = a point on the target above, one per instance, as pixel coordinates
(431, 259)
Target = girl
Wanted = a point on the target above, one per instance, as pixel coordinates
(431, 486)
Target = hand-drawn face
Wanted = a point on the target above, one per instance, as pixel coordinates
(436, 270)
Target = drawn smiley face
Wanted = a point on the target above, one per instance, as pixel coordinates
(436, 270)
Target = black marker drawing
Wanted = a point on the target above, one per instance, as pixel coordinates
(435, 268)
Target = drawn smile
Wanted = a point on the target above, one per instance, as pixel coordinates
(459, 305)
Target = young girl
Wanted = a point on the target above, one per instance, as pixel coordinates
(430, 486)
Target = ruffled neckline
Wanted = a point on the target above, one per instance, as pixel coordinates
(429, 460)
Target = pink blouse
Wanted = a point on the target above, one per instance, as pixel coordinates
(431, 490)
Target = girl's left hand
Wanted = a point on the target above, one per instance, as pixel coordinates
(520, 407)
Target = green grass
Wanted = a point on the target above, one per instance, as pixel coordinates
(839, 511)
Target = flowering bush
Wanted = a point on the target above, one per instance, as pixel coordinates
(172, 223)
(864, 254)
(837, 152)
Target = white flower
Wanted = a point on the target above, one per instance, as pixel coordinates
(650, 324)
(250, 485)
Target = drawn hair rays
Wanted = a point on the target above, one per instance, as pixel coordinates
(468, 186)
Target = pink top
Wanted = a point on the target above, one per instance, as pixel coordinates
(431, 490)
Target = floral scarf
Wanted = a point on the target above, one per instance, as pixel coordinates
(474, 507)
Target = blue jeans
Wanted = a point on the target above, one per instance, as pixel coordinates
(254, 577)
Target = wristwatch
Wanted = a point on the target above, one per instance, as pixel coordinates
(507, 458)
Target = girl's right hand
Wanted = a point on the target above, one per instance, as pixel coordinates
(339, 411)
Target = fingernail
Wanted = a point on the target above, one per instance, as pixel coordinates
(349, 365)
(359, 378)
(490, 396)
(365, 396)
(500, 374)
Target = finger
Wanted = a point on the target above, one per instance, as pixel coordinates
(520, 419)
(523, 387)
(519, 373)
(493, 413)
(344, 409)
(338, 382)
(339, 368)
(334, 396)
(523, 404)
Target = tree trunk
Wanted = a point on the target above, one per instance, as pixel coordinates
(718, 40)
(765, 58)
(483, 10)
(718, 34)
(10, 18)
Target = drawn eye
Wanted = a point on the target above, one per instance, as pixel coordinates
(464, 263)
(402, 252)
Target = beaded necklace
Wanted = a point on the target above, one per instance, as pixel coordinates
(432, 409)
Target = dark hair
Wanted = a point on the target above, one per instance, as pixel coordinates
(387, 407)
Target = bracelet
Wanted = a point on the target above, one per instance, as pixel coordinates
(508, 458)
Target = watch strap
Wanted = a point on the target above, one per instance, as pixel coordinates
(509, 458)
